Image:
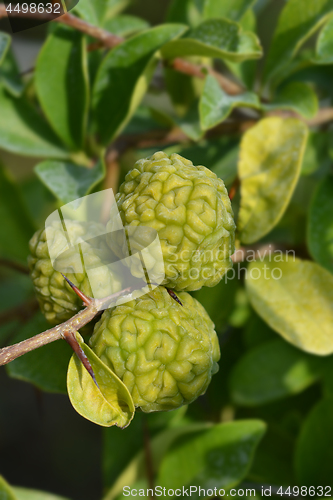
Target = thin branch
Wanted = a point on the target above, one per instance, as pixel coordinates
(8, 354)
(148, 456)
(109, 40)
(105, 37)
(14, 265)
(250, 253)
(22, 312)
(200, 71)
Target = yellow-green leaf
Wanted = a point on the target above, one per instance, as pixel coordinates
(269, 167)
(295, 298)
(110, 404)
(6, 493)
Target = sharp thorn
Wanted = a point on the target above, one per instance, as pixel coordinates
(86, 300)
(174, 296)
(70, 338)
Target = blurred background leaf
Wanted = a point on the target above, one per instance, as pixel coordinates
(62, 84)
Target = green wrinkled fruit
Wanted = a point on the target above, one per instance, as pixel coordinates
(164, 353)
(190, 209)
(56, 298)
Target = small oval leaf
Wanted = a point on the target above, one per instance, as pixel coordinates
(217, 457)
(68, 181)
(110, 404)
(124, 76)
(216, 105)
(61, 77)
(269, 168)
(272, 371)
(314, 448)
(295, 298)
(24, 132)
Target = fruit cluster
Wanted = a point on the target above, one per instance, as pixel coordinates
(165, 352)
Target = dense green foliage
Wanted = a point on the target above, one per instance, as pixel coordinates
(82, 118)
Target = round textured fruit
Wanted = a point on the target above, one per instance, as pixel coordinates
(56, 298)
(164, 353)
(189, 208)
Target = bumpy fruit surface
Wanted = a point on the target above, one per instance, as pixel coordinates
(56, 298)
(190, 209)
(164, 353)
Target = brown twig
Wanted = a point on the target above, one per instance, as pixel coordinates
(105, 37)
(200, 71)
(21, 312)
(252, 252)
(148, 456)
(109, 40)
(14, 265)
(234, 188)
(8, 354)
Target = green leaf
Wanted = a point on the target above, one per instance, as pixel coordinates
(91, 11)
(320, 224)
(6, 493)
(216, 105)
(46, 367)
(97, 13)
(217, 457)
(16, 227)
(160, 444)
(126, 25)
(324, 46)
(68, 181)
(314, 448)
(216, 38)
(27, 494)
(295, 298)
(24, 132)
(269, 168)
(297, 22)
(4, 45)
(124, 76)
(106, 405)
(9, 75)
(186, 12)
(190, 123)
(295, 96)
(231, 9)
(62, 84)
(272, 371)
(245, 71)
(118, 452)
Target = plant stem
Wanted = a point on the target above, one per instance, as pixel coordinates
(14, 265)
(8, 354)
